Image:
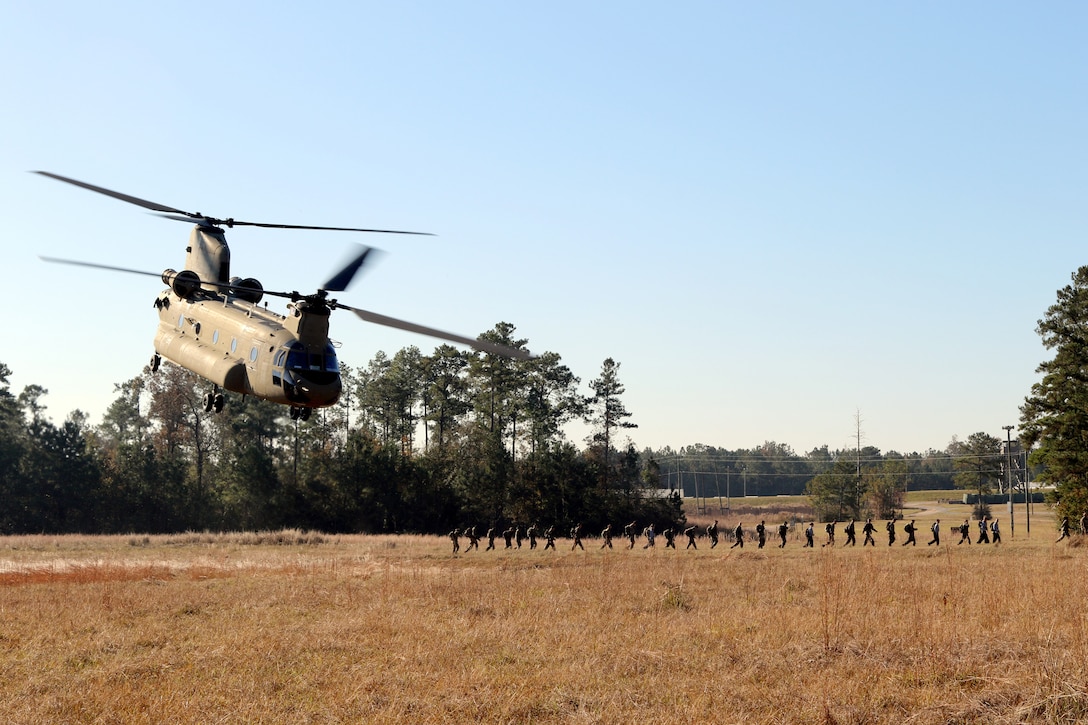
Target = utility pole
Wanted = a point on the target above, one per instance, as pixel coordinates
(1027, 492)
(1008, 479)
(857, 481)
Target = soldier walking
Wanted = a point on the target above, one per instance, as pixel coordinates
(761, 534)
(995, 532)
(936, 529)
(549, 538)
(868, 530)
(606, 534)
(629, 532)
(983, 536)
(531, 532)
(890, 526)
(909, 528)
(455, 537)
(965, 532)
(712, 533)
(473, 539)
(649, 534)
(810, 535)
(829, 529)
(782, 531)
(738, 534)
(670, 538)
(508, 536)
(490, 539)
(690, 533)
(1064, 528)
(576, 534)
(851, 538)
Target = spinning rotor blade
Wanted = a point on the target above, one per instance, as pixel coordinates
(482, 345)
(75, 263)
(198, 218)
(236, 223)
(340, 281)
(111, 268)
(153, 206)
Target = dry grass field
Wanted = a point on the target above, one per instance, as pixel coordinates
(310, 629)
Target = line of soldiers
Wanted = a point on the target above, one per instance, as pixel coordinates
(989, 531)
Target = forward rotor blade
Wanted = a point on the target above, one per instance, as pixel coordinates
(55, 260)
(153, 206)
(223, 286)
(236, 223)
(482, 345)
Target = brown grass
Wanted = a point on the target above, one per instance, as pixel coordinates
(395, 629)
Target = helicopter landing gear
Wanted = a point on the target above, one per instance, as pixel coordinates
(214, 401)
(302, 414)
(155, 362)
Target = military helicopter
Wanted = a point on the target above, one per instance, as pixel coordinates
(212, 323)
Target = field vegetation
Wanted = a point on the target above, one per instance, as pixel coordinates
(293, 626)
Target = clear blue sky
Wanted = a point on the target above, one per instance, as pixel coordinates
(772, 215)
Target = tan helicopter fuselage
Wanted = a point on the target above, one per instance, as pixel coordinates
(238, 344)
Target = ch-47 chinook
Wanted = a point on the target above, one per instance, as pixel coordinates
(211, 323)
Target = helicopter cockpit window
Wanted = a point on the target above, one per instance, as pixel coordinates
(297, 358)
(314, 362)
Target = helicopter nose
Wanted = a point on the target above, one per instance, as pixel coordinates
(317, 394)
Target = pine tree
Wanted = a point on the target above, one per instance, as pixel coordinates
(1054, 418)
(607, 413)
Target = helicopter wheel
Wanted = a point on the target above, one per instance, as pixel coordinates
(294, 412)
(208, 402)
(218, 401)
(155, 362)
(304, 414)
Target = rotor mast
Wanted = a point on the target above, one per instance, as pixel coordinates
(209, 256)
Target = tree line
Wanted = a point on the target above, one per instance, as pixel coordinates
(417, 443)
(492, 452)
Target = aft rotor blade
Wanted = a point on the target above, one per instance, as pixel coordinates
(55, 260)
(169, 212)
(340, 281)
(153, 206)
(482, 345)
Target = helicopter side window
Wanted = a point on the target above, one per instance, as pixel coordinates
(332, 365)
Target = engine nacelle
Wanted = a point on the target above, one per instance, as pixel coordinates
(184, 283)
(247, 289)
